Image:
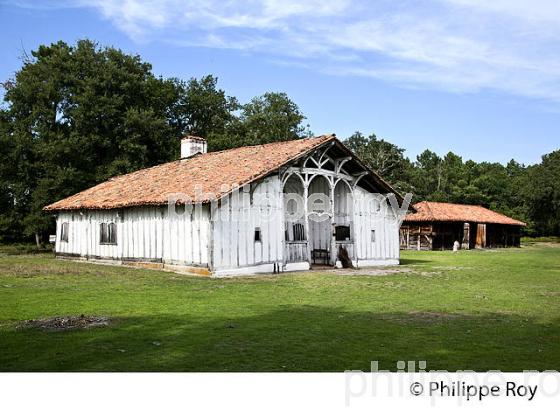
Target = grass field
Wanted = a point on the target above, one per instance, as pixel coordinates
(476, 310)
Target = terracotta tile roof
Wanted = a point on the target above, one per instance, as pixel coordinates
(210, 172)
(444, 212)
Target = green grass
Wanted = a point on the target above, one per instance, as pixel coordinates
(476, 310)
(527, 240)
(24, 249)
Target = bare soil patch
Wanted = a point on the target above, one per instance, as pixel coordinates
(66, 323)
(550, 294)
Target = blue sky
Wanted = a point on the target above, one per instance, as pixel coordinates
(476, 77)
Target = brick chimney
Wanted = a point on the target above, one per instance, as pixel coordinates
(191, 145)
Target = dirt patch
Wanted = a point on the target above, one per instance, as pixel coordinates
(550, 294)
(65, 323)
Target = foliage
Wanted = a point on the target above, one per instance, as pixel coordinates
(542, 192)
(76, 115)
(208, 112)
(271, 117)
(530, 194)
(385, 158)
(471, 310)
(268, 118)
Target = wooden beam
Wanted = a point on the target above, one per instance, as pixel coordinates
(324, 151)
(340, 163)
(359, 176)
(325, 172)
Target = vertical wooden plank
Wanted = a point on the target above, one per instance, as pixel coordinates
(196, 235)
(217, 237)
(204, 237)
(152, 233)
(159, 227)
(226, 230)
(263, 221)
(234, 224)
(188, 220)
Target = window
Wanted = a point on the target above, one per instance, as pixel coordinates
(373, 235)
(299, 233)
(179, 209)
(342, 233)
(108, 234)
(64, 232)
(257, 234)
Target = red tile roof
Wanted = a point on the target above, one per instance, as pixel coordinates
(208, 173)
(444, 212)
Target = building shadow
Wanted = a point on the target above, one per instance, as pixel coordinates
(289, 338)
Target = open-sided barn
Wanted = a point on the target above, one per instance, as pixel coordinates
(237, 211)
(436, 226)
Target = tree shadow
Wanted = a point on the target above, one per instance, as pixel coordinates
(290, 338)
(410, 261)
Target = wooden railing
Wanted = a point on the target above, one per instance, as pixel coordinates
(296, 251)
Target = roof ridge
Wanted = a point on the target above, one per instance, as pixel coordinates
(271, 143)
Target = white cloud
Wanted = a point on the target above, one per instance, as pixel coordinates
(542, 10)
(509, 46)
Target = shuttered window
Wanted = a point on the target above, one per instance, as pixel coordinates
(342, 233)
(108, 234)
(64, 232)
(299, 232)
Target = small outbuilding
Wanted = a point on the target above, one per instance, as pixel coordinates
(436, 226)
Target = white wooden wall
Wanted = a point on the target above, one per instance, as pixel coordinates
(84, 234)
(151, 233)
(368, 217)
(187, 237)
(148, 233)
(234, 222)
(142, 233)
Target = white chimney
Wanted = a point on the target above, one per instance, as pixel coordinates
(191, 145)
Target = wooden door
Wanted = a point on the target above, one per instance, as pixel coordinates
(481, 236)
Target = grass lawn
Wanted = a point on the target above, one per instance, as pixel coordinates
(476, 310)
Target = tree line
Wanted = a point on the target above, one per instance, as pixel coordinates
(528, 193)
(75, 115)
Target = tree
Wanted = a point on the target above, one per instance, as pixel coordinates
(428, 177)
(208, 112)
(76, 116)
(383, 157)
(271, 117)
(542, 193)
(10, 210)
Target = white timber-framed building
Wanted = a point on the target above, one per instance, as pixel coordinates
(261, 209)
